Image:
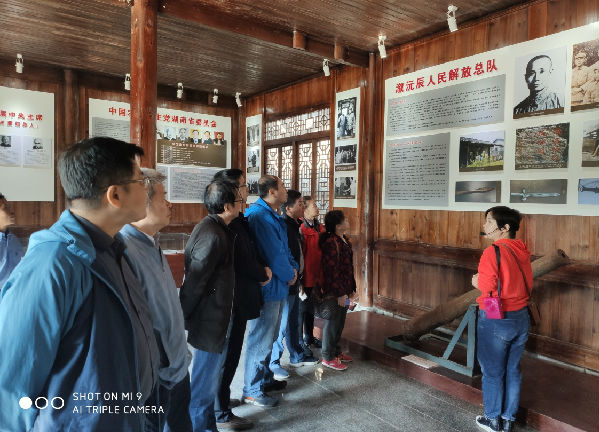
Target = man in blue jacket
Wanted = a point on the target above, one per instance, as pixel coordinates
(78, 349)
(269, 233)
(11, 250)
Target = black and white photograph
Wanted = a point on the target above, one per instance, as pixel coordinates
(585, 75)
(252, 185)
(346, 118)
(345, 187)
(590, 143)
(482, 151)
(588, 191)
(539, 83)
(478, 191)
(539, 191)
(253, 135)
(5, 141)
(345, 157)
(37, 144)
(542, 147)
(253, 160)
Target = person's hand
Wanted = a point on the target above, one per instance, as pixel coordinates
(341, 300)
(292, 281)
(475, 280)
(269, 274)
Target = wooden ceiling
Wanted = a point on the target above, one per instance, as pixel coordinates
(232, 45)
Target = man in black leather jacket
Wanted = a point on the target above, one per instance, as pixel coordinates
(207, 297)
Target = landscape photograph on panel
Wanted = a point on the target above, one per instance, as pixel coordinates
(253, 135)
(539, 83)
(345, 157)
(542, 147)
(346, 118)
(553, 191)
(482, 151)
(585, 76)
(590, 143)
(253, 160)
(478, 191)
(588, 191)
(345, 187)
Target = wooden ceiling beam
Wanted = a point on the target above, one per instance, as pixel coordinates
(262, 31)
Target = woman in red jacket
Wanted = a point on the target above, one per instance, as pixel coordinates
(310, 230)
(337, 283)
(500, 343)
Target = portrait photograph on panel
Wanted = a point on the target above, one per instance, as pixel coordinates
(590, 143)
(10, 151)
(482, 151)
(542, 147)
(539, 83)
(5, 141)
(478, 191)
(588, 191)
(539, 191)
(345, 187)
(253, 160)
(182, 134)
(345, 157)
(585, 75)
(219, 138)
(253, 135)
(346, 118)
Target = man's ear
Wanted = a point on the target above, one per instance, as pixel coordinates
(229, 208)
(112, 196)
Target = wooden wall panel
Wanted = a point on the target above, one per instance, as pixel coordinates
(569, 309)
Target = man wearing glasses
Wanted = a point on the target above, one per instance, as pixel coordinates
(207, 298)
(78, 347)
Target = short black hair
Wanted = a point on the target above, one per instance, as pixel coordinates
(2, 196)
(292, 197)
(535, 58)
(331, 220)
(88, 167)
(231, 175)
(506, 216)
(217, 194)
(266, 183)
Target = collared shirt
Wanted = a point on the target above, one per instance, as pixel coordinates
(152, 269)
(110, 256)
(544, 100)
(11, 252)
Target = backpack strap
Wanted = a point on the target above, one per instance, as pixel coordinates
(498, 257)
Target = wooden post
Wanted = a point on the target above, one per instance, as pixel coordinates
(70, 96)
(144, 66)
(366, 206)
(456, 307)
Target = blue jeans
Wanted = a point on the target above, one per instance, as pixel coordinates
(290, 331)
(205, 378)
(500, 345)
(262, 333)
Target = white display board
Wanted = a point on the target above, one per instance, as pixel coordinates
(26, 145)
(190, 147)
(346, 149)
(253, 154)
(515, 126)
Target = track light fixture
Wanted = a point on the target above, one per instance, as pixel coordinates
(382, 50)
(238, 99)
(179, 90)
(215, 97)
(453, 26)
(127, 81)
(325, 67)
(19, 64)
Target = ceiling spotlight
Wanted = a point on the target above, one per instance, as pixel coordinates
(382, 50)
(127, 81)
(453, 26)
(238, 99)
(179, 90)
(19, 64)
(325, 67)
(215, 97)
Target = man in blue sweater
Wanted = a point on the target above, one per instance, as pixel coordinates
(78, 348)
(269, 233)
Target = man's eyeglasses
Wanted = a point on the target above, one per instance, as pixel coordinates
(145, 181)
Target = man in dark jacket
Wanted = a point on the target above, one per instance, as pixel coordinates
(83, 325)
(289, 329)
(207, 298)
(250, 274)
